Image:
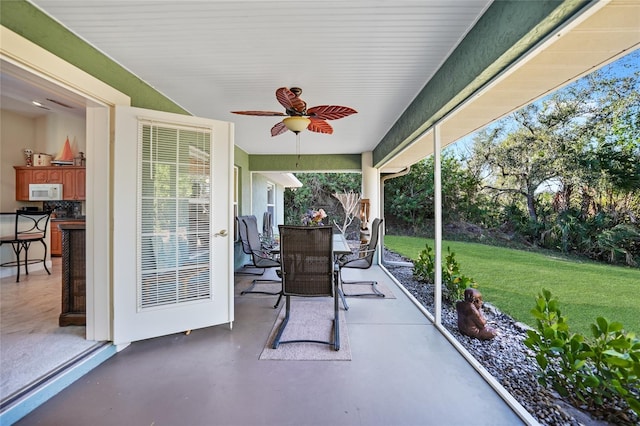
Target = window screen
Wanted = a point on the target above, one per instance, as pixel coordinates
(174, 180)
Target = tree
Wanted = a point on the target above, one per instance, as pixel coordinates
(409, 198)
(536, 151)
(350, 202)
(316, 193)
(584, 142)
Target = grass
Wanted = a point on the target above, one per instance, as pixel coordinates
(511, 279)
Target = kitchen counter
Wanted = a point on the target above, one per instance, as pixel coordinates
(68, 219)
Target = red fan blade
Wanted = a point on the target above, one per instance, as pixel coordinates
(319, 126)
(260, 113)
(330, 112)
(290, 101)
(278, 129)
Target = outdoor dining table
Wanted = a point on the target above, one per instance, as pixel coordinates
(340, 245)
(340, 248)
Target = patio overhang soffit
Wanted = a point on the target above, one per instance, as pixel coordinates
(596, 36)
(287, 180)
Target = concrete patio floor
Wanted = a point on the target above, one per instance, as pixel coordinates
(403, 372)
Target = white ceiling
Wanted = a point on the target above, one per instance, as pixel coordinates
(213, 57)
(19, 90)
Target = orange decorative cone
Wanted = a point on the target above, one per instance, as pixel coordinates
(66, 154)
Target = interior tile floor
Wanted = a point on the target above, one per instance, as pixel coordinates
(402, 372)
(31, 342)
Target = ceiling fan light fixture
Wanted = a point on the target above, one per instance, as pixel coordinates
(296, 123)
(299, 116)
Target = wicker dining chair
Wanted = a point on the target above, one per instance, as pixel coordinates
(261, 258)
(307, 266)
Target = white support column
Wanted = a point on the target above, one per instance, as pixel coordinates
(371, 185)
(437, 191)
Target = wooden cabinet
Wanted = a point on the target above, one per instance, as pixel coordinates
(55, 240)
(23, 179)
(55, 243)
(72, 178)
(46, 175)
(81, 184)
(56, 235)
(73, 184)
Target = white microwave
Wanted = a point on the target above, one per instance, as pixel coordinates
(45, 191)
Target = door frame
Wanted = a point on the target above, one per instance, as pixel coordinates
(101, 100)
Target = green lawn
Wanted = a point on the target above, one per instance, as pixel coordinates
(510, 280)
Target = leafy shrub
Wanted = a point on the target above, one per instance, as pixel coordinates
(424, 268)
(453, 280)
(617, 242)
(597, 373)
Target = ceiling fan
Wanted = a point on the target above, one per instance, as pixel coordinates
(298, 116)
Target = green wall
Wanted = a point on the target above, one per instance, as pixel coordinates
(241, 160)
(291, 163)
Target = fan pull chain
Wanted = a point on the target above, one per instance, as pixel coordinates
(298, 149)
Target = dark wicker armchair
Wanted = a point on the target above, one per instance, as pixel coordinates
(307, 266)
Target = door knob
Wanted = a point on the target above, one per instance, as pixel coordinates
(221, 233)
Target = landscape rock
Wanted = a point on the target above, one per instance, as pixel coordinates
(505, 357)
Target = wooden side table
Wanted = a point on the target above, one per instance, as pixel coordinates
(73, 275)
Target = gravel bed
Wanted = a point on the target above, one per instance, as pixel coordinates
(505, 357)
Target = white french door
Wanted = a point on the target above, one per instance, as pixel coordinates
(172, 216)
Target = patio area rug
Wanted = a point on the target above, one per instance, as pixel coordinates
(309, 319)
